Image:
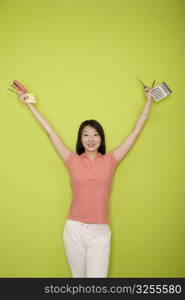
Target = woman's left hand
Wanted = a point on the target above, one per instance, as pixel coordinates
(147, 93)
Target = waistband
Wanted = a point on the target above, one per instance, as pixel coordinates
(86, 225)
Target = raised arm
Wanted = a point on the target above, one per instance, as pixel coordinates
(129, 141)
(55, 139)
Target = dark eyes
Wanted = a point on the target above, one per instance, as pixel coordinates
(96, 134)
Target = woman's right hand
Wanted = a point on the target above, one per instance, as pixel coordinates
(22, 97)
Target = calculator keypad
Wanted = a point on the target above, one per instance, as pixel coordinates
(157, 94)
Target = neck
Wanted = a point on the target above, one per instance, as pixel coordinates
(91, 154)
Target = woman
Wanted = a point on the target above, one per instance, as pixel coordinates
(87, 233)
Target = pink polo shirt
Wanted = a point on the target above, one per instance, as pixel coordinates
(91, 182)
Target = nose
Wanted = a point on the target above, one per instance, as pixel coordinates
(91, 138)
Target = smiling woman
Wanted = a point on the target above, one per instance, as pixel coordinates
(91, 138)
(87, 234)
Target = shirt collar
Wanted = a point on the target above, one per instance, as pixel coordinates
(84, 155)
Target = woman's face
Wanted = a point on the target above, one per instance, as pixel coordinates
(90, 138)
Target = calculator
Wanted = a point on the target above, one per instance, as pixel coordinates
(161, 91)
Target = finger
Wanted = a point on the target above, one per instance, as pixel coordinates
(148, 89)
(23, 96)
(20, 92)
(151, 89)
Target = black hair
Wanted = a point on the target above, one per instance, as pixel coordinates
(93, 123)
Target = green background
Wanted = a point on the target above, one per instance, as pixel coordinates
(81, 60)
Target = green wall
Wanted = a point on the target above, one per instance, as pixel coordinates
(81, 58)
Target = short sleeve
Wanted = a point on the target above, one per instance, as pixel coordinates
(113, 160)
(70, 159)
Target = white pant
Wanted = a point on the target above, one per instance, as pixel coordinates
(87, 248)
